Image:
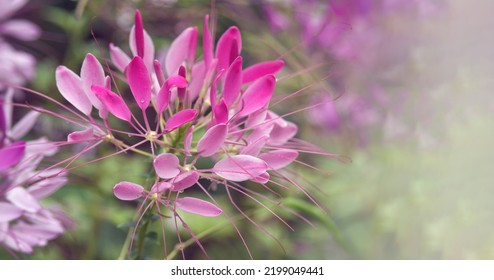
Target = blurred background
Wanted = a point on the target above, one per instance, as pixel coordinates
(402, 88)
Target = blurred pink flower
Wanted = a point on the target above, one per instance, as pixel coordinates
(16, 67)
(24, 222)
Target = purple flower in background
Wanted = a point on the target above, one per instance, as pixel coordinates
(24, 222)
(364, 41)
(16, 67)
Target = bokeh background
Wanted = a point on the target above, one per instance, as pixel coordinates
(405, 89)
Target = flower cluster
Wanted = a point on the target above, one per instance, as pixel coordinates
(184, 109)
(24, 222)
(16, 67)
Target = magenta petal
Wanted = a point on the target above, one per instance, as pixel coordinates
(240, 168)
(9, 212)
(185, 180)
(220, 112)
(139, 82)
(230, 39)
(139, 34)
(161, 187)
(262, 69)
(24, 125)
(92, 73)
(257, 95)
(180, 119)
(81, 136)
(166, 165)
(70, 86)
(198, 206)
(23, 199)
(113, 102)
(188, 140)
(164, 94)
(279, 158)
(207, 44)
(148, 57)
(12, 154)
(119, 58)
(128, 191)
(233, 81)
(281, 134)
(212, 140)
(180, 50)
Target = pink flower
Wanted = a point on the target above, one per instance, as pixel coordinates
(24, 222)
(16, 67)
(171, 102)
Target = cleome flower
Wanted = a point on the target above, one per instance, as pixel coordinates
(182, 109)
(24, 222)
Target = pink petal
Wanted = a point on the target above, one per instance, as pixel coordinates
(256, 119)
(262, 179)
(24, 125)
(47, 187)
(229, 43)
(188, 140)
(280, 135)
(12, 154)
(240, 168)
(119, 58)
(161, 187)
(185, 180)
(212, 140)
(198, 206)
(81, 136)
(9, 212)
(9, 7)
(139, 82)
(92, 73)
(70, 86)
(212, 90)
(279, 158)
(220, 112)
(262, 69)
(256, 146)
(164, 94)
(158, 70)
(181, 91)
(180, 119)
(181, 49)
(139, 34)
(148, 48)
(199, 72)
(257, 95)
(21, 29)
(207, 44)
(113, 102)
(23, 199)
(166, 165)
(128, 191)
(233, 81)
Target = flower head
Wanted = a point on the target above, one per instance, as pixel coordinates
(183, 109)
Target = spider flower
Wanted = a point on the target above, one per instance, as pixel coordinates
(24, 222)
(181, 109)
